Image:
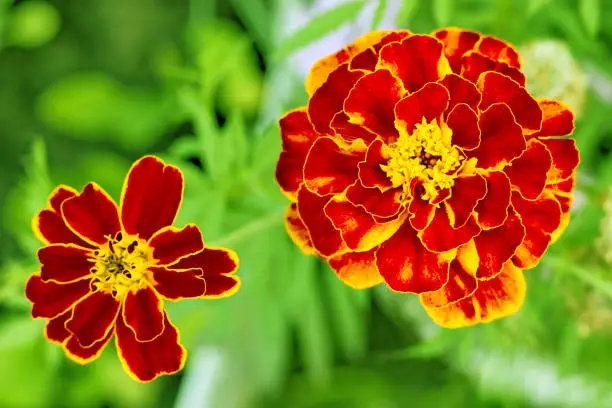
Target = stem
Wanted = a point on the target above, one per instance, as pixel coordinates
(249, 229)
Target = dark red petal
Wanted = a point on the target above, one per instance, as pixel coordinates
(498, 88)
(64, 263)
(565, 158)
(370, 172)
(325, 238)
(428, 102)
(50, 298)
(176, 285)
(558, 119)
(496, 246)
(331, 165)
(349, 131)
(528, 172)
(463, 121)
(461, 284)
(60, 194)
(439, 236)
(370, 103)
(501, 138)
(143, 313)
(93, 318)
(297, 230)
(55, 329)
(210, 260)
(417, 60)
(456, 43)
(151, 197)
(422, 211)
(465, 195)
(357, 269)
(84, 355)
(220, 286)
(493, 299)
(145, 361)
(461, 91)
(171, 244)
(297, 135)
(475, 64)
(492, 209)
(358, 228)
(499, 50)
(380, 204)
(407, 266)
(92, 214)
(328, 100)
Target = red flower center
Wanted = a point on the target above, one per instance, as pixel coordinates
(121, 265)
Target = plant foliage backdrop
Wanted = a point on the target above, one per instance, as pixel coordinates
(88, 87)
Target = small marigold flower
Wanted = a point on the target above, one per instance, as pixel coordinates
(422, 161)
(106, 270)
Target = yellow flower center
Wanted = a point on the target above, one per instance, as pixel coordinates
(426, 154)
(122, 265)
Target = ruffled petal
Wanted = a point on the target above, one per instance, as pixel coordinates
(492, 209)
(417, 60)
(145, 361)
(381, 204)
(565, 158)
(348, 131)
(51, 299)
(92, 214)
(463, 121)
(465, 195)
(456, 43)
(496, 246)
(64, 263)
(151, 197)
(429, 102)
(331, 165)
(297, 230)
(357, 269)
(368, 58)
(210, 260)
(143, 312)
(475, 64)
(421, 211)
(407, 266)
(499, 51)
(528, 173)
(461, 91)
(498, 88)
(176, 285)
(325, 238)
(83, 355)
(557, 119)
(371, 102)
(171, 244)
(55, 329)
(501, 138)
(93, 318)
(297, 135)
(370, 172)
(440, 236)
(329, 98)
(493, 299)
(461, 284)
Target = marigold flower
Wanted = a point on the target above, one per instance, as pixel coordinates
(106, 270)
(422, 161)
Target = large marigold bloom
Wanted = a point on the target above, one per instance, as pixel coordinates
(106, 270)
(421, 161)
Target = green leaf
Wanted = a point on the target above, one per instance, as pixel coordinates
(590, 13)
(442, 11)
(406, 12)
(254, 15)
(535, 5)
(379, 13)
(318, 27)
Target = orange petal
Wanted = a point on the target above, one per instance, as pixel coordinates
(499, 51)
(528, 172)
(461, 284)
(297, 230)
(357, 269)
(557, 119)
(565, 158)
(348, 131)
(456, 43)
(492, 209)
(368, 58)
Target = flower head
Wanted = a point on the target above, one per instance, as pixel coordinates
(422, 161)
(106, 270)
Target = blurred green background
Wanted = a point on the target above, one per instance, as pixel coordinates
(89, 86)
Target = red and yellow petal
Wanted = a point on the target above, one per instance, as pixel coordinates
(297, 136)
(145, 361)
(178, 284)
(407, 266)
(51, 299)
(348, 131)
(429, 102)
(461, 91)
(368, 58)
(416, 61)
(171, 244)
(475, 64)
(501, 138)
(371, 102)
(329, 98)
(55, 329)
(151, 197)
(565, 158)
(463, 122)
(370, 172)
(219, 286)
(210, 260)
(461, 284)
(297, 230)
(92, 215)
(557, 119)
(440, 236)
(381, 204)
(143, 312)
(64, 263)
(93, 318)
(456, 43)
(84, 355)
(492, 209)
(357, 269)
(499, 51)
(528, 173)
(498, 88)
(465, 195)
(331, 165)
(493, 299)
